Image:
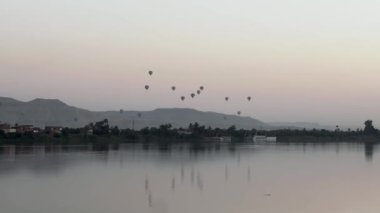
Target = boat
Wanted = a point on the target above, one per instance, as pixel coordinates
(264, 139)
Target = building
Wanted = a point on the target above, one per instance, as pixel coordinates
(24, 129)
(5, 128)
(53, 130)
(36, 130)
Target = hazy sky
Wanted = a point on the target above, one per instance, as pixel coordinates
(300, 60)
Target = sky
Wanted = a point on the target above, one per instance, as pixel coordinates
(300, 60)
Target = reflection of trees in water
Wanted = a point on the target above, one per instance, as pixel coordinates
(337, 149)
(199, 181)
(192, 176)
(146, 146)
(249, 173)
(146, 183)
(150, 199)
(53, 159)
(164, 147)
(226, 173)
(182, 173)
(58, 158)
(368, 149)
(173, 183)
(49, 159)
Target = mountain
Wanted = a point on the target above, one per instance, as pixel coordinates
(53, 112)
(300, 125)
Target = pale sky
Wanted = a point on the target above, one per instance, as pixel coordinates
(300, 60)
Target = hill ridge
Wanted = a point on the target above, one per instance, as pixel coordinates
(42, 112)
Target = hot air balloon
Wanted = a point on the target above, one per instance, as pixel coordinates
(198, 92)
(249, 98)
(182, 98)
(150, 72)
(201, 88)
(239, 112)
(121, 111)
(226, 98)
(192, 95)
(146, 87)
(173, 88)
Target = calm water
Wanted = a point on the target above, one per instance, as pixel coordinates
(336, 178)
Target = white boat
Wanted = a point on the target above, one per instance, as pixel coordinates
(264, 139)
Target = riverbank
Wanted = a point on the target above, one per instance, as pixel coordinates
(79, 139)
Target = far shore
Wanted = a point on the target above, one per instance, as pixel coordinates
(102, 132)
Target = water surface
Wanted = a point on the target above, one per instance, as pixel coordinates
(291, 178)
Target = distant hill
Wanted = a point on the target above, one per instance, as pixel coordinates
(308, 126)
(300, 125)
(53, 112)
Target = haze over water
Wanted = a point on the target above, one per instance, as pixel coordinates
(244, 178)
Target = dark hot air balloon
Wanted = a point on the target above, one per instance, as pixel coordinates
(146, 87)
(192, 95)
(121, 111)
(182, 98)
(239, 112)
(198, 92)
(150, 72)
(173, 88)
(249, 98)
(201, 88)
(226, 98)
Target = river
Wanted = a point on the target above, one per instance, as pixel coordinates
(125, 178)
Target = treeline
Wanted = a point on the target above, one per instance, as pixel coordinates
(194, 132)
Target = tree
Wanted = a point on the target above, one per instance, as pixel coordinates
(231, 129)
(115, 130)
(369, 129)
(101, 127)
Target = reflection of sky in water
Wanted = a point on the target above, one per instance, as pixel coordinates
(283, 178)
